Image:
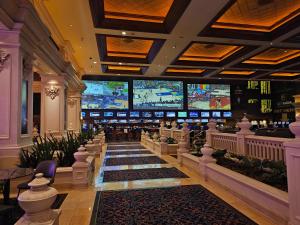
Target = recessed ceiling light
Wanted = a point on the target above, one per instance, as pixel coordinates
(94, 62)
(174, 46)
(70, 25)
(124, 33)
(285, 50)
(120, 63)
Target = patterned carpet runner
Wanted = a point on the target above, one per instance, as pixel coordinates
(115, 152)
(123, 147)
(134, 161)
(141, 174)
(183, 205)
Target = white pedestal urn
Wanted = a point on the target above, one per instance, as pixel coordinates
(245, 126)
(241, 135)
(80, 167)
(163, 145)
(211, 130)
(182, 148)
(155, 136)
(37, 202)
(91, 147)
(207, 152)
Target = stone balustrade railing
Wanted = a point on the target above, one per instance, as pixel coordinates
(180, 135)
(262, 147)
(225, 141)
(245, 143)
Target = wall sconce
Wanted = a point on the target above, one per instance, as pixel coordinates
(52, 92)
(3, 58)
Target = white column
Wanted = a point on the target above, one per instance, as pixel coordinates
(292, 152)
(52, 104)
(16, 66)
(73, 111)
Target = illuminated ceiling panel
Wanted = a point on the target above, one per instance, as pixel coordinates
(184, 70)
(284, 74)
(208, 52)
(124, 68)
(274, 56)
(235, 72)
(128, 47)
(154, 11)
(258, 15)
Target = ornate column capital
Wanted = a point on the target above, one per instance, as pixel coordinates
(4, 56)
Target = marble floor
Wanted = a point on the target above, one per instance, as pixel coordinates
(77, 207)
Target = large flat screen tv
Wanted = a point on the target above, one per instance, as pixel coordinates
(159, 114)
(209, 96)
(157, 94)
(147, 114)
(171, 114)
(105, 95)
(134, 114)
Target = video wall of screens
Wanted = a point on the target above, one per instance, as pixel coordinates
(208, 97)
(105, 95)
(157, 94)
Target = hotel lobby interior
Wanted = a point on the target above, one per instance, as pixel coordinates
(149, 112)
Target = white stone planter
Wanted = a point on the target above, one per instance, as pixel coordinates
(37, 201)
(265, 198)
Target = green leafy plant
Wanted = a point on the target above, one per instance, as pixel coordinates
(69, 146)
(42, 150)
(171, 141)
(45, 148)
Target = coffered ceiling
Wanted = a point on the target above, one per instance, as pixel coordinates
(216, 39)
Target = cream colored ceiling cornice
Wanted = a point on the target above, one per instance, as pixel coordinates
(64, 45)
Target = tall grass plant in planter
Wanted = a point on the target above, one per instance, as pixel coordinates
(43, 149)
(68, 146)
(50, 148)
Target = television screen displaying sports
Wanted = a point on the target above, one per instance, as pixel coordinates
(227, 114)
(194, 114)
(94, 114)
(121, 114)
(157, 94)
(134, 114)
(171, 114)
(180, 120)
(204, 114)
(105, 95)
(216, 114)
(209, 96)
(108, 114)
(182, 114)
(159, 114)
(147, 114)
